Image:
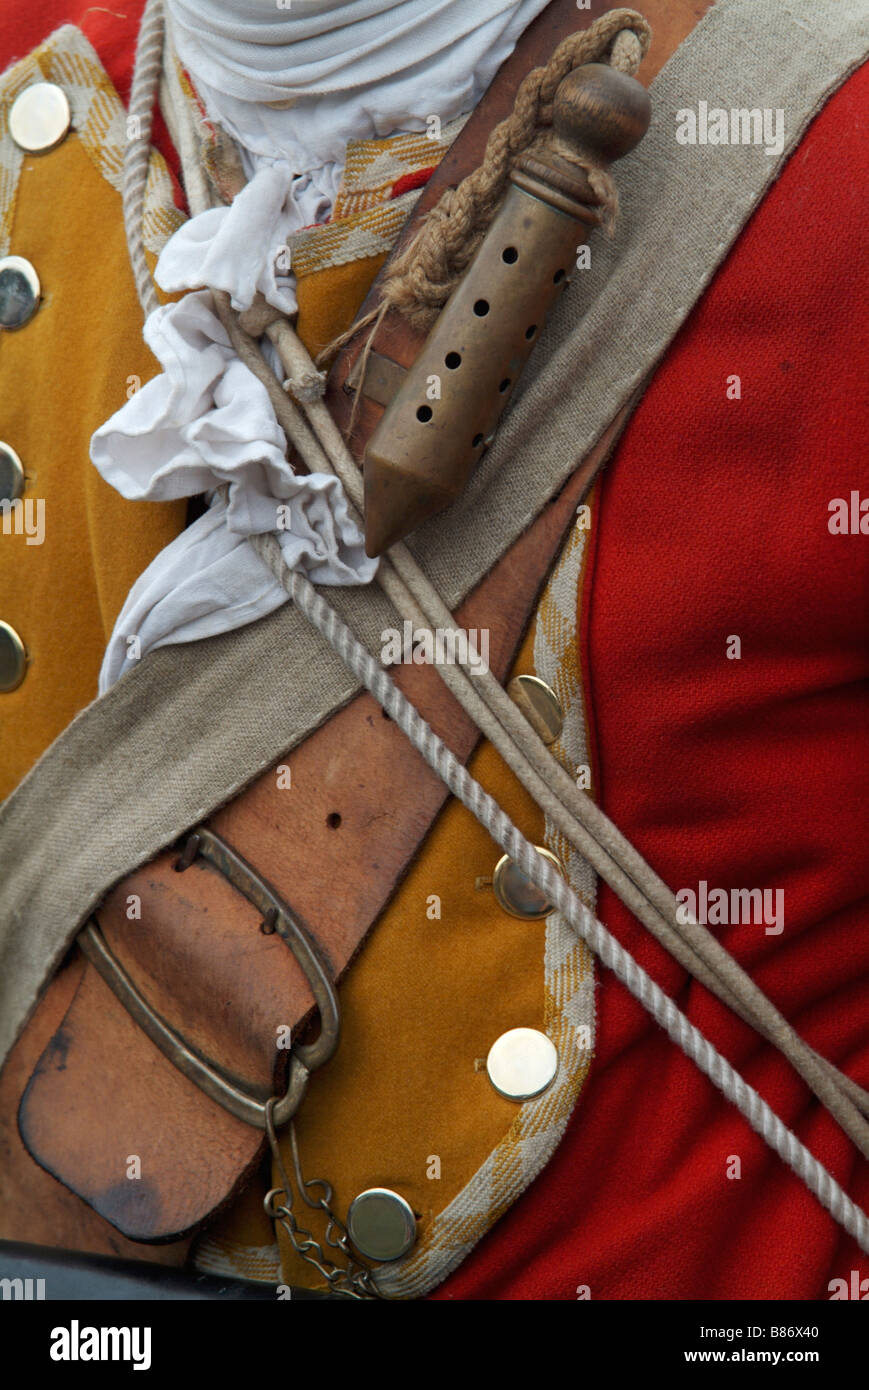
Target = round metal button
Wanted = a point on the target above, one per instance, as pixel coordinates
(540, 705)
(522, 1063)
(19, 291)
(11, 474)
(381, 1224)
(515, 891)
(39, 117)
(13, 658)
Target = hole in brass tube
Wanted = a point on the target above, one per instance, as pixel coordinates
(504, 384)
(558, 277)
(424, 413)
(481, 308)
(453, 360)
(510, 255)
(476, 441)
(531, 330)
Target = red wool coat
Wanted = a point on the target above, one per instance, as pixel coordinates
(714, 522)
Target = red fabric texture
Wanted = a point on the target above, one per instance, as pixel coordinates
(713, 522)
(417, 179)
(112, 33)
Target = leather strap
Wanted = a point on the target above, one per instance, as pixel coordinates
(102, 1091)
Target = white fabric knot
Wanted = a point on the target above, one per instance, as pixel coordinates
(243, 248)
(206, 421)
(334, 72)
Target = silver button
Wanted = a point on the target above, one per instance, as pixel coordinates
(516, 893)
(39, 117)
(11, 474)
(522, 1063)
(540, 705)
(381, 1224)
(13, 658)
(19, 291)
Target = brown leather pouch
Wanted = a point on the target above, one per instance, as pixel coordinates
(102, 1094)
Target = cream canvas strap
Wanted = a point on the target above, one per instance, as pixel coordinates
(181, 734)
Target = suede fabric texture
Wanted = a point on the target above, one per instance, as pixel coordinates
(65, 372)
(406, 1102)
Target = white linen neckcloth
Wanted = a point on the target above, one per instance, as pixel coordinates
(352, 71)
(359, 70)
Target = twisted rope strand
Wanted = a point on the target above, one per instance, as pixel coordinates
(574, 813)
(424, 274)
(147, 72)
(463, 786)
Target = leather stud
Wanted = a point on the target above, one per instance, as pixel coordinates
(39, 118)
(19, 291)
(522, 1063)
(381, 1224)
(13, 659)
(540, 705)
(11, 474)
(516, 893)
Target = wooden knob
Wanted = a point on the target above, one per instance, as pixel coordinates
(600, 112)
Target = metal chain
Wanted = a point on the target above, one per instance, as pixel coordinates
(353, 1280)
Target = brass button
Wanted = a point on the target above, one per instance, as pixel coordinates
(11, 474)
(39, 117)
(522, 1063)
(381, 1224)
(516, 893)
(19, 291)
(540, 705)
(13, 658)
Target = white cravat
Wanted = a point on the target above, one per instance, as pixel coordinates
(352, 71)
(365, 69)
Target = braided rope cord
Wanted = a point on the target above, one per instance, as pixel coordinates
(424, 274)
(842, 1098)
(487, 811)
(147, 71)
(582, 822)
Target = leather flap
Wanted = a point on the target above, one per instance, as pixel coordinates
(103, 1096)
(334, 843)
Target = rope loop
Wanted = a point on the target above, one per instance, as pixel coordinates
(424, 275)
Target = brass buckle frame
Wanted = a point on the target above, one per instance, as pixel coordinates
(277, 917)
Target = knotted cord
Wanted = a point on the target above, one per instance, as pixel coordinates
(424, 274)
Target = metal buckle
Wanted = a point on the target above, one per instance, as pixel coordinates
(277, 917)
